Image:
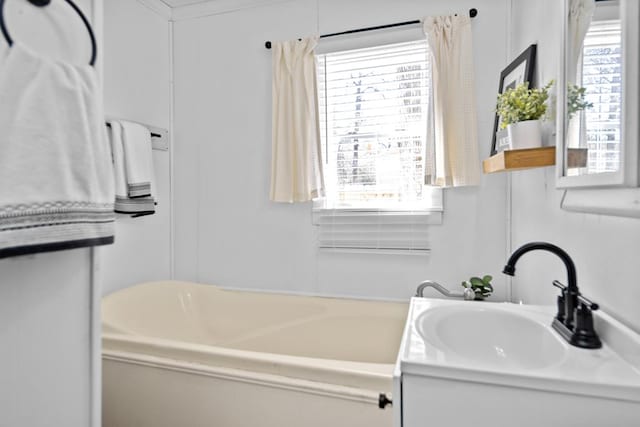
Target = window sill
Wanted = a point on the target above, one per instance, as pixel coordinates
(320, 215)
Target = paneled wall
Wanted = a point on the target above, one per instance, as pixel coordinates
(137, 87)
(227, 231)
(605, 249)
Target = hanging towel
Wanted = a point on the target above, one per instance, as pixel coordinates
(136, 140)
(137, 206)
(56, 179)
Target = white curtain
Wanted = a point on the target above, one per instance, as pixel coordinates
(296, 165)
(454, 102)
(579, 19)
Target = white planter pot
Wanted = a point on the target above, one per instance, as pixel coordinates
(527, 134)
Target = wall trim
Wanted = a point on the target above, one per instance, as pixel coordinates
(95, 283)
(172, 114)
(508, 296)
(157, 6)
(95, 337)
(217, 7)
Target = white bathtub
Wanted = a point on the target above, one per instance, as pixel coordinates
(182, 354)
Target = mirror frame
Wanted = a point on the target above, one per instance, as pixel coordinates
(629, 173)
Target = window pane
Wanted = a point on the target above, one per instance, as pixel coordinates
(602, 77)
(373, 109)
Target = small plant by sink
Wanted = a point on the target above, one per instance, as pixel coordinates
(481, 286)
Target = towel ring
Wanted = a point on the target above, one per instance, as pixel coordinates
(43, 3)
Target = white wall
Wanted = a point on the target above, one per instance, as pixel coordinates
(47, 345)
(605, 249)
(231, 235)
(227, 231)
(137, 87)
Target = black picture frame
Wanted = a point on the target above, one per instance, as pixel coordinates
(518, 71)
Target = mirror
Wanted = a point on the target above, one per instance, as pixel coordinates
(597, 99)
(593, 87)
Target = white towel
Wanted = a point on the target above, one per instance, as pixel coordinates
(123, 203)
(56, 180)
(138, 162)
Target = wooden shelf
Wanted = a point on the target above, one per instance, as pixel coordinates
(512, 160)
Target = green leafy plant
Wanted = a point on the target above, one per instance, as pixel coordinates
(480, 286)
(521, 103)
(576, 99)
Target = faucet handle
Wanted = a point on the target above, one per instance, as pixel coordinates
(587, 303)
(560, 286)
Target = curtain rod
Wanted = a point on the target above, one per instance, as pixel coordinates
(472, 13)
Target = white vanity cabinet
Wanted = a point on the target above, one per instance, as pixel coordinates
(431, 401)
(49, 302)
(452, 376)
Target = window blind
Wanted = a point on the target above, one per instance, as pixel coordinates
(602, 78)
(373, 108)
(378, 229)
(374, 230)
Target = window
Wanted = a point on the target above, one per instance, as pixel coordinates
(602, 77)
(374, 109)
(374, 106)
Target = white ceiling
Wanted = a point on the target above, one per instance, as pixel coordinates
(186, 9)
(178, 3)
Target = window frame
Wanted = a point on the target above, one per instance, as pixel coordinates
(432, 202)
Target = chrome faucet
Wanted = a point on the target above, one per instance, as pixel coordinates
(574, 321)
(468, 294)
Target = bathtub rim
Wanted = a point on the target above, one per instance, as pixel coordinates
(281, 292)
(375, 377)
(254, 378)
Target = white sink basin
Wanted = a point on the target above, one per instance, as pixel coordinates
(491, 336)
(497, 364)
(515, 345)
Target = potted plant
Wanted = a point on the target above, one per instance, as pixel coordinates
(481, 286)
(576, 100)
(520, 110)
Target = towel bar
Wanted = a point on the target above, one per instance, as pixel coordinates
(159, 136)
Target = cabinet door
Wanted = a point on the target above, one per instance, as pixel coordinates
(436, 402)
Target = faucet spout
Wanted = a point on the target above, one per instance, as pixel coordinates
(437, 286)
(468, 294)
(572, 281)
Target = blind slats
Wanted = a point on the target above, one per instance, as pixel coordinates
(380, 97)
(374, 230)
(602, 76)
